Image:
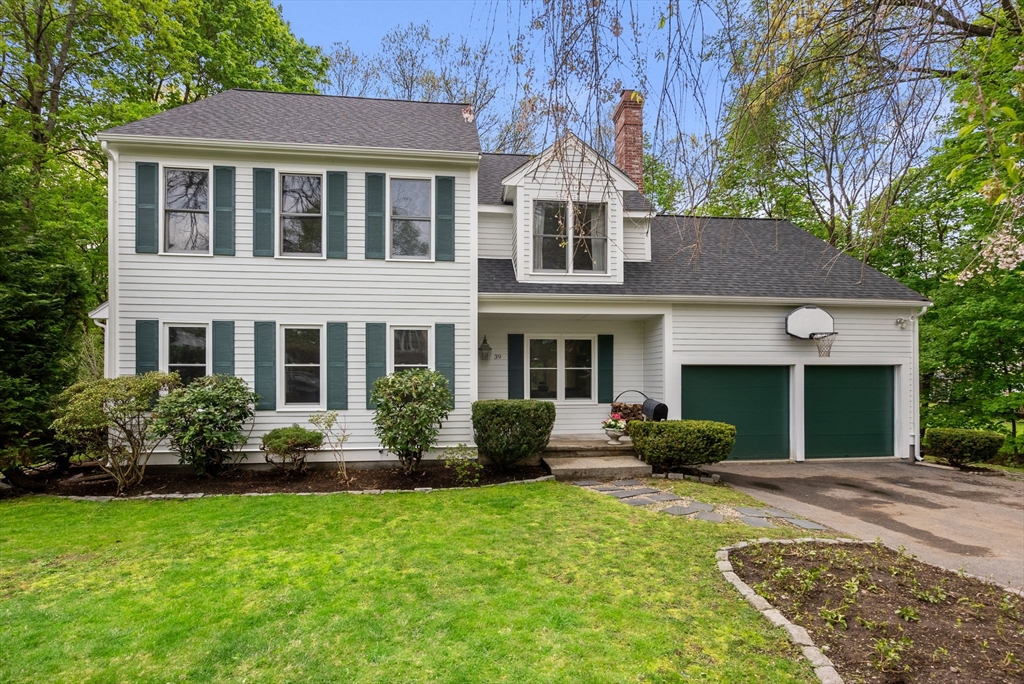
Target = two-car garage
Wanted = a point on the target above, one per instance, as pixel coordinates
(847, 410)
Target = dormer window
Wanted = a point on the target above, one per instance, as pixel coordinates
(567, 241)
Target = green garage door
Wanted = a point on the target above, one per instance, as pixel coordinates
(848, 411)
(753, 398)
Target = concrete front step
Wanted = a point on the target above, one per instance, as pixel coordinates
(599, 467)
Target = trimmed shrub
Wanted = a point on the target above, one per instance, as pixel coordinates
(508, 431)
(960, 447)
(411, 405)
(678, 443)
(204, 420)
(287, 447)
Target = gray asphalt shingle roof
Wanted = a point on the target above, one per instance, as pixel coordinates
(257, 116)
(726, 257)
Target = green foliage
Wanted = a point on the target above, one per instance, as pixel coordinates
(962, 447)
(678, 443)
(411, 406)
(508, 431)
(204, 420)
(661, 185)
(111, 420)
(462, 461)
(286, 447)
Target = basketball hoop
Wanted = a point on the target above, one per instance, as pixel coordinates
(824, 341)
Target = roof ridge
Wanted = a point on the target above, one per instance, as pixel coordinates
(342, 97)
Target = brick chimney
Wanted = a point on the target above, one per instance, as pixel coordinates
(629, 136)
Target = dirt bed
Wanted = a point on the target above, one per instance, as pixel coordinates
(242, 481)
(882, 616)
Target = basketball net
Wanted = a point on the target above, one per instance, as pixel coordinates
(824, 342)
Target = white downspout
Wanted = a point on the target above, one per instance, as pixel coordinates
(110, 340)
(915, 388)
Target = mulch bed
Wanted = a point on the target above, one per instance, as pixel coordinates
(882, 616)
(242, 481)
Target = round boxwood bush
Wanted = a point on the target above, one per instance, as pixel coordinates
(960, 447)
(508, 431)
(678, 443)
(286, 447)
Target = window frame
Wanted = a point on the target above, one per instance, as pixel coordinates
(162, 215)
(572, 238)
(282, 405)
(280, 214)
(561, 367)
(388, 177)
(411, 326)
(165, 343)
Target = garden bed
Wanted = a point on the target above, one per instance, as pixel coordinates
(882, 616)
(244, 480)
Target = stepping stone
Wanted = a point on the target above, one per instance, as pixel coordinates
(626, 483)
(638, 501)
(627, 493)
(607, 488)
(586, 483)
(665, 496)
(806, 524)
(698, 506)
(776, 513)
(752, 512)
(756, 522)
(710, 517)
(678, 510)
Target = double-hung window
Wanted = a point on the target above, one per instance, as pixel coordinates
(302, 366)
(410, 218)
(570, 238)
(187, 211)
(411, 348)
(561, 368)
(302, 225)
(186, 351)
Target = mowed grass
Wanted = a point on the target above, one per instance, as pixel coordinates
(525, 583)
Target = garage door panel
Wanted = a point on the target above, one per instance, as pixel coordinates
(849, 411)
(753, 398)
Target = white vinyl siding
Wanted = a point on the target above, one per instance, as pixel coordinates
(495, 241)
(636, 239)
(654, 358)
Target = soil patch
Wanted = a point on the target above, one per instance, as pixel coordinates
(88, 481)
(882, 616)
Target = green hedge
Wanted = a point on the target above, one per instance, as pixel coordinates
(508, 431)
(959, 447)
(677, 443)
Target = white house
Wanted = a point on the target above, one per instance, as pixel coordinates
(310, 244)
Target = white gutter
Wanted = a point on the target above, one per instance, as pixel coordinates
(253, 147)
(689, 299)
(110, 340)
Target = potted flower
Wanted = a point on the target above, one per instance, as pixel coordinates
(614, 427)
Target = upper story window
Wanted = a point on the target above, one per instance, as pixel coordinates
(186, 210)
(186, 352)
(567, 241)
(410, 218)
(302, 226)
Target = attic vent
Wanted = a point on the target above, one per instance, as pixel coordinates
(468, 114)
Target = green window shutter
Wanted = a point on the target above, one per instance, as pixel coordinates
(374, 216)
(146, 194)
(147, 346)
(444, 218)
(337, 215)
(337, 366)
(265, 337)
(224, 210)
(263, 212)
(223, 347)
(515, 367)
(605, 368)
(444, 354)
(376, 358)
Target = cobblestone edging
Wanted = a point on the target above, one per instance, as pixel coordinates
(823, 667)
(200, 495)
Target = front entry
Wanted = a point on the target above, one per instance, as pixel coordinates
(753, 398)
(849, 411)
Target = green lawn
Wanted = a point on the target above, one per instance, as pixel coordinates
(526, 583)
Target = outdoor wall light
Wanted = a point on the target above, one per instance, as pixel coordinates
(902, 323)
(485, 350)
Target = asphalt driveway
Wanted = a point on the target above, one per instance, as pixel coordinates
(952, 519)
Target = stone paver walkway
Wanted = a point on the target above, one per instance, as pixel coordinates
(639, 495)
